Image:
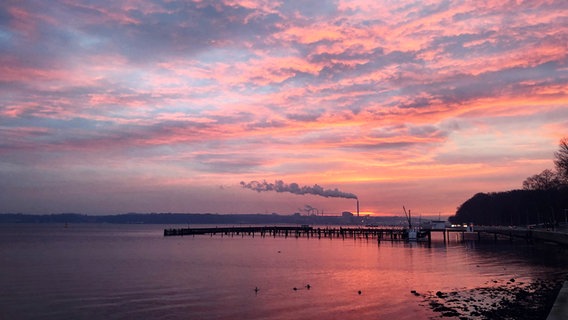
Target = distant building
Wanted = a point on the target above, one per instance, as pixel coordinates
(347, 217)
(434, 225)
(438, 225)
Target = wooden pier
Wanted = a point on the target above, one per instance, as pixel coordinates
(378, 233)
(391, 234)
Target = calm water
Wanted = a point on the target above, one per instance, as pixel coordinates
(95, 271)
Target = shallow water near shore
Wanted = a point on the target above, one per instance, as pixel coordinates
(93, 271)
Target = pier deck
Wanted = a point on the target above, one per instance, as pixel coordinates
(559, 310)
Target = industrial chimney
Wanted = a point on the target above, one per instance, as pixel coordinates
(357, 207)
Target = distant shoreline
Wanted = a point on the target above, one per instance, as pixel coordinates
(200, 218)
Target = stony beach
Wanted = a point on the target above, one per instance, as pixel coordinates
(510, 299)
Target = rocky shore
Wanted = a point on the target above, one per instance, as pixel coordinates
(498, 300)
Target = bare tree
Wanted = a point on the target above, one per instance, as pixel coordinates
(561, 160)
(546, 180)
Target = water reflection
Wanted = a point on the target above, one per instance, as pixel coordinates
(132, 271)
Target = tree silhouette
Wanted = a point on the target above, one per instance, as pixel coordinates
(543, 200)
(545, 180)
(561, 160)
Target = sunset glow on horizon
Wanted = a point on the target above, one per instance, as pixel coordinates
(167, 106)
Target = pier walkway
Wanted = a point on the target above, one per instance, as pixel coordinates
(558, 236)
(559, 310)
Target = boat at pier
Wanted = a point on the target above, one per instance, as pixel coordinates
(416, 234)
(413, 233)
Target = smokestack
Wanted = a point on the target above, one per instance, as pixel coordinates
(281, 186)
(357, 207)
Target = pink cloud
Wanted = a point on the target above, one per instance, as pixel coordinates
(364, 95)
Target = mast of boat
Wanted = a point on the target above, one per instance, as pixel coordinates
(408, 217)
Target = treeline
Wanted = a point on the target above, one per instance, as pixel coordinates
(543, 200)
(517, 207)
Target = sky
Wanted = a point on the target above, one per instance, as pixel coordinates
(110, 107)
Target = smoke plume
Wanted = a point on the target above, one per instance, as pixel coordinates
(280, 186)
